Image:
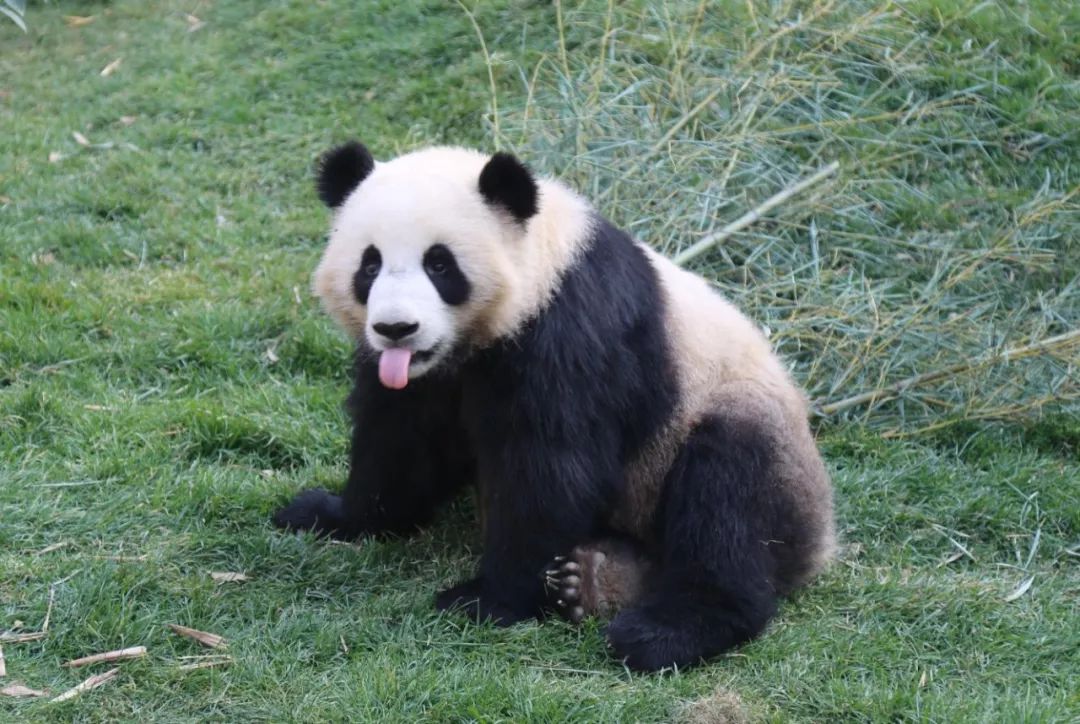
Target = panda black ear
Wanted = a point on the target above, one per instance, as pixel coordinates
(507, 183)
(341, 170)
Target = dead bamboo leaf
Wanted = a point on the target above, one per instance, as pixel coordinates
(78, 21)
(92, 683)
(1020, 590)
(194, 23)
(80, 139)
(55, 156)
(111, 68)
(128, 120)
(19, 690)
(206, 639)
(3, 664)
(132, 652)
(228, 577)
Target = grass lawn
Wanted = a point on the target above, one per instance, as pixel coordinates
(167, 380)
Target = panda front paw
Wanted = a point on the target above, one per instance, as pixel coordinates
(471, 598)
(315, 510)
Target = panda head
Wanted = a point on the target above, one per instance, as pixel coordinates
(425, 251)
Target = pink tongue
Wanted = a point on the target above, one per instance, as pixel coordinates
(394, 368)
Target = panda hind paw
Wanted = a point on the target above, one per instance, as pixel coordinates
(562, 582)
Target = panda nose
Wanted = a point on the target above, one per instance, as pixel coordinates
(397, 330)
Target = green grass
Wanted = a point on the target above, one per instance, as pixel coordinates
(166, 380)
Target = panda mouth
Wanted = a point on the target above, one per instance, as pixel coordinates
(423, 356)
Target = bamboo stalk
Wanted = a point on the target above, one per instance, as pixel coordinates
(92, 683)
(206, 639)
(751, 217)
(132, 652)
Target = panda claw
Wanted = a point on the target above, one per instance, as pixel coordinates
(563, 582)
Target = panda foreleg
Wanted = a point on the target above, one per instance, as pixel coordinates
(538, 501)
(407, 456)
(714, 586)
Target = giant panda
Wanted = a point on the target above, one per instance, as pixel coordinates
(638, 450)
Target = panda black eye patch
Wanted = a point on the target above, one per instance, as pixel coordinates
(370, 265)
(445, 274)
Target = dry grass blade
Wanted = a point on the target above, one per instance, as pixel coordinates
(228, 577)
(78, 21)
(206, 639)
(92, 683)
(111, 68)
(19, 690)
(1020, 590)
(3, 663)
(1057, 343)
(208, 663)
(22, 638)
(53, 547)
(133, 652)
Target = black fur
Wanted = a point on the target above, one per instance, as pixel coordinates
(553, 416)
(555, 413)
(505, 182)
(408, 456)
(341, 170)
(715, 581)
(443, 271)
(364, 278)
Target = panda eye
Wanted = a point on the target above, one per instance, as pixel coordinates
(370, 263)
(437, 267)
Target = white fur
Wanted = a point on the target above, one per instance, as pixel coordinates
(432, 196)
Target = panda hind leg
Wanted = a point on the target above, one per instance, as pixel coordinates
(597, 578)
(713, 587)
